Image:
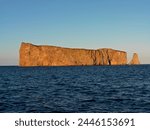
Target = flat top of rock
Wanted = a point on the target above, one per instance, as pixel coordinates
(24, 43)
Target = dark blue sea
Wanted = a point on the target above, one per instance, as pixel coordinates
(75, 89)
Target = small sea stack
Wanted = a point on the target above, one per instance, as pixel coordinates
(135, 60)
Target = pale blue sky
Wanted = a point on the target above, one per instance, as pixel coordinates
(118, 24)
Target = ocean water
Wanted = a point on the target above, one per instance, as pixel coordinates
(75, 89)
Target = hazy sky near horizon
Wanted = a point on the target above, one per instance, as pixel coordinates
(118, 24)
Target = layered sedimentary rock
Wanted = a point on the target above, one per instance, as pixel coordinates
(33, 55)
(135, 60)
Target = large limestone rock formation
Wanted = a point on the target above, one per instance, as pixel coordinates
(135, 60)
(32, 55)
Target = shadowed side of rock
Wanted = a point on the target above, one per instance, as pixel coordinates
(32, 55)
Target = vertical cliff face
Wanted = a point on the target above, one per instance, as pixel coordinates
(135, 60)
(32, 55)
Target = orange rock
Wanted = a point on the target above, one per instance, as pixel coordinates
(135, 60)
(32, 55)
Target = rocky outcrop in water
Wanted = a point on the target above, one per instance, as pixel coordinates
(33, 55)
(135, 60)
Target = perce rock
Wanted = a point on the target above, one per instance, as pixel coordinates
(33, 55)
(135, 60)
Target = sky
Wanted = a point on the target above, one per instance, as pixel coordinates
(92, 24)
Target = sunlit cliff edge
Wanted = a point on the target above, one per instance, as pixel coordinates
(33, 55)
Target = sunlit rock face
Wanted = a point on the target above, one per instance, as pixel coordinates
(33, 55)
(135, 60)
